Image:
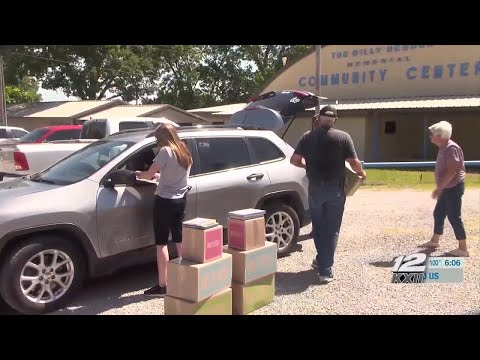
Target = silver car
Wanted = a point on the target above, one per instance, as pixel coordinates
(87, 215)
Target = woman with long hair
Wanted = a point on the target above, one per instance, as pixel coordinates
(173, 163)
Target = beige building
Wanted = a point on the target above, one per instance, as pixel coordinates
(35, 115)
(387, 96)
(170, 112)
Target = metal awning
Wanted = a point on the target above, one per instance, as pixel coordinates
(425, 103)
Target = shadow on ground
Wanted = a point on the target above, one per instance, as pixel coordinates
(106, 293)
(5, 309)
(295, 283)
(304, 237)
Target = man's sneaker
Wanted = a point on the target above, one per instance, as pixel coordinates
(325, 279)
(314, 264)
(157, 290)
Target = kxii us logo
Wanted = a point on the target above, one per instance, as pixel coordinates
(412, 269)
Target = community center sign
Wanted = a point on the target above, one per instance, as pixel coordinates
(386, 71)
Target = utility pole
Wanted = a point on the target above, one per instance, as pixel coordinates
(318, 71)
(3, 102)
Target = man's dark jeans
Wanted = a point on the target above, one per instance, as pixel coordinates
(327, 203)
(449, 204)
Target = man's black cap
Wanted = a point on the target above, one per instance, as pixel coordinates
(329, 111)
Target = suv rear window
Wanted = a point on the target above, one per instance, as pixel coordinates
(93, 130)
(218, 154)
(265, 150)
(125, 125)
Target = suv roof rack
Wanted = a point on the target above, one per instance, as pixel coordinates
(126, 131)
(214, 127)
(151, 129)
(224, 126)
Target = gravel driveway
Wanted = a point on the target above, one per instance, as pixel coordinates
(378, 225)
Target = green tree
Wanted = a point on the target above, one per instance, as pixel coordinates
(89, 71)
(17, 95)
(268, 59)
(187, 76)
(200, 76)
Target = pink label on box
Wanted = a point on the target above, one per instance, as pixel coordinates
(236, 234)
(213, 244)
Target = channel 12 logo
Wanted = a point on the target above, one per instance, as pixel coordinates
(419, 268)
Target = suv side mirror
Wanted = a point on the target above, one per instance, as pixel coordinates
(121, 177)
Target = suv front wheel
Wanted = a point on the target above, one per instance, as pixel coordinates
(40, 275)
(282, 226)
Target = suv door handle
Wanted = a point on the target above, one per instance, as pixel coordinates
(255, 176)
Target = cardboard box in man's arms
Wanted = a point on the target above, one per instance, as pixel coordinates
(352, 180)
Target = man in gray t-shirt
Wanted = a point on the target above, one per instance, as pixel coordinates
(173, 179)
(323, 152)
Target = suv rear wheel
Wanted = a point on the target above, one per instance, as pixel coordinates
(41, 274)
(282, 226)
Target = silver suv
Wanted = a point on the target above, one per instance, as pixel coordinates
(87, 215)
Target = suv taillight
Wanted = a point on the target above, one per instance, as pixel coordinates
(20, 161)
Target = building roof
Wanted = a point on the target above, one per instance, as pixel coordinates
(146, 110)
(407, 103)
(372, 104)
(63, 109)
(126, 111)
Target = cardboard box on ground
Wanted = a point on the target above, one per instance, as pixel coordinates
(200, 282)
(218, 304)
(254, 261)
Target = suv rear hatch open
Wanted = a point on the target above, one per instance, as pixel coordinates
(275, 110)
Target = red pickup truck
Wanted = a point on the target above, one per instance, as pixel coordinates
(52, 133)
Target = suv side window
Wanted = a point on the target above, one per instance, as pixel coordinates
(142, 160)
(3, 133)
(218, 154)
(265, 150)
(64, 135)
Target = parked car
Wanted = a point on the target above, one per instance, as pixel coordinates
(20, 159)
(88, 215)
(52, 133)
(27, 156)
(9, 133)
(100, 128)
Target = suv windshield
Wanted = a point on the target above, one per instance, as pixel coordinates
(33, 136)
(93, 130)
(83, 163)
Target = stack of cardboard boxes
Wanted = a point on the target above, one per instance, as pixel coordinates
(254, 261)
(199, 283)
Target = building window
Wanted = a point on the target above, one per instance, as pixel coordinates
(390, 127)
